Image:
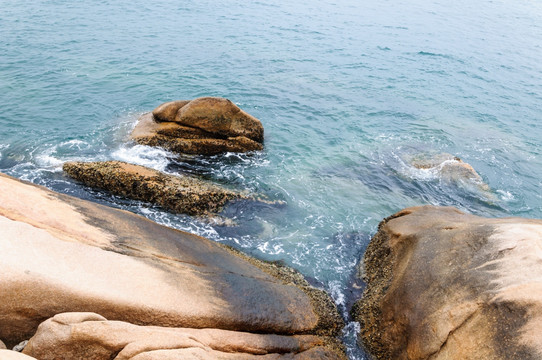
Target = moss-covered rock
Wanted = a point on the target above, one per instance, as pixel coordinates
(181, 194)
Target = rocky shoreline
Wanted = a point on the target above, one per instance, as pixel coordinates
(442, 284)
(85, 281)
(85, 258)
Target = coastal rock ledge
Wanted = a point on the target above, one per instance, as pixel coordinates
(180, 194)
(69, 264)
(442, 284)
(203, 126)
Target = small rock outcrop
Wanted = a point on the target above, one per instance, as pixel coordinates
(64, 335)
(180, 194)
(442, 284)
(62, 254)
(204, 126)
(450, 168)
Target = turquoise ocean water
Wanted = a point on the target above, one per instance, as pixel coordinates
(348, 92)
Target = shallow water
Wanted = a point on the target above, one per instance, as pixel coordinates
(348, 92)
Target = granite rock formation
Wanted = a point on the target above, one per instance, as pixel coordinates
(442, 284)
(62, 254)
(204, 126)
(64, 335)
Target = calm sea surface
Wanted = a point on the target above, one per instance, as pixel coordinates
(349, 92)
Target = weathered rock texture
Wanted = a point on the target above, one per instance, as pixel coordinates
(205, 126)
(62, 254)
(167, 112)
(442, 284)
(185, 194)
(63, 337)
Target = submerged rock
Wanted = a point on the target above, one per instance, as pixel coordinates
(65, 335)
(442, 284)
(186, 194)
(449, 168)
(62, 254)
(204, 126)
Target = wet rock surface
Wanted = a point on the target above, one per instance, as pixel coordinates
(204, 126)
(84, 257)
(181, 194)
(442, 284)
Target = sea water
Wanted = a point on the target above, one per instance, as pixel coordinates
(349, 92)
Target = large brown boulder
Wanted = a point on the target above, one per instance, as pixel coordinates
(442, 284)
(181, 194)
(91, 336)
(205, 126)
(63, 254)
(167, 111)
(220, 116)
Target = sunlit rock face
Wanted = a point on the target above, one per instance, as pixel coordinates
(442, 284)
(204, 126)
(61, 254)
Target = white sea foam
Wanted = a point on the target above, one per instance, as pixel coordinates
(412, 172)
(47, 160)
(505, 195)
(271, 249)
(2, 147)
(75, 144)
(336, 292)
(155, 158)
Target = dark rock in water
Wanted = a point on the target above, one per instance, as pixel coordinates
(449, 168)
(442, 284)
(185, 194)
(205, 126)
(79, 256)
